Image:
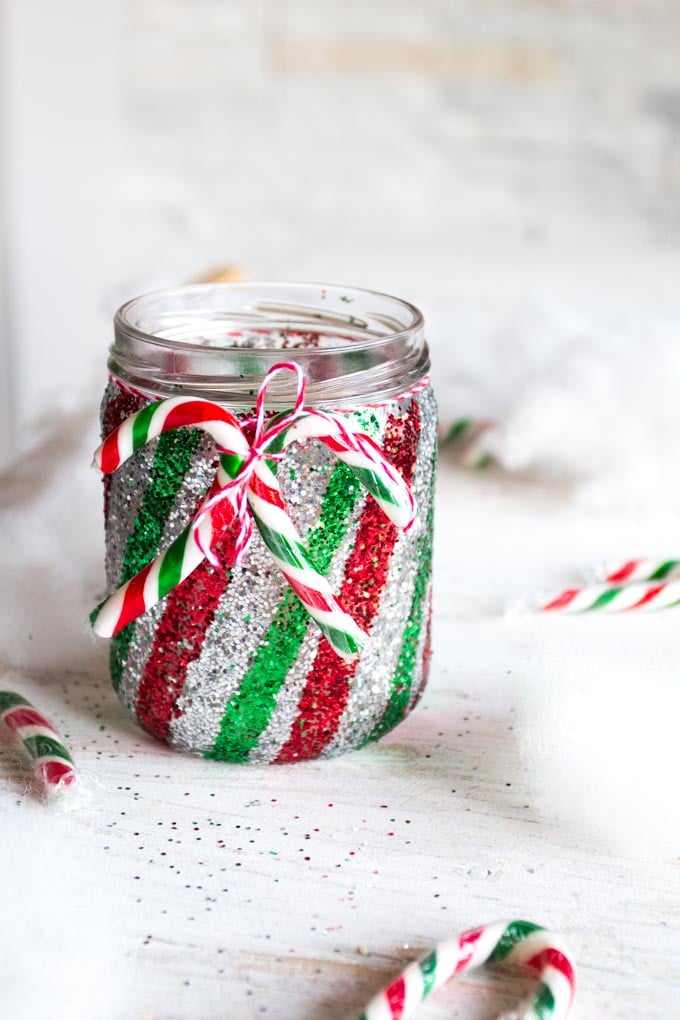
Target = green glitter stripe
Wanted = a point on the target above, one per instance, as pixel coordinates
(543, 1002)
(402, 680)
(664, 570)
(375, 485)
(8, 699)
(515, 932)
(603, 599)
(172, 460)
(170, 573)
(248, 712)
(428, 970)
(140, 425)
(46, 747)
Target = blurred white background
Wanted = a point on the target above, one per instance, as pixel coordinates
(496, 162)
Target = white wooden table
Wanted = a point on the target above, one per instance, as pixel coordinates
(294, 892)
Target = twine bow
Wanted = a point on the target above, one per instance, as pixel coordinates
(245, 488)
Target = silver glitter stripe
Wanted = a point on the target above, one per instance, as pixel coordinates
(372, 683)
(419, 678)
(247, 608)
(194, 484)
(277, 732)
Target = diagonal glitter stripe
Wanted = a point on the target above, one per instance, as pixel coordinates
(397, 707)
(371, 685)
(326, 691)
(189, 610)
(246, 609)
(121, 498)
(172, 460)
(187, 490)
(248, 712)
(278, 729)
(423, 654)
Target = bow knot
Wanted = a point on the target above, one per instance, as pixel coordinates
(246, 486)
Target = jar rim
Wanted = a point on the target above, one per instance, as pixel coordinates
(176, 341)
(122, 320)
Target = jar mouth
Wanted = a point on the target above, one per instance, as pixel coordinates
(219, 340)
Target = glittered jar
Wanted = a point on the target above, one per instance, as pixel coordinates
(229, 663)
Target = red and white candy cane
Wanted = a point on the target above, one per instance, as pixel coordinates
(605, 598)
(519, 942)
(626, 571)
(52, 763)
(245, 481)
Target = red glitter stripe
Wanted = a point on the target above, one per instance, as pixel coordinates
(324, 698)
(17, 718)
(57, 772)
(261, 489)
(562, 600)
(180, 633)
(134, 603)
(396, 997)
(552, 957)
(649, 596)
(623, 573)
(315, 599)
(194, 412)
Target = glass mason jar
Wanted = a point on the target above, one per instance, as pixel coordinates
(229, 664)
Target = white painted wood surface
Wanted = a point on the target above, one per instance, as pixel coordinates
(295, 892)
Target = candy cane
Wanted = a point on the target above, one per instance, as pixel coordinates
(604, 598)
(245, 479)
(519, 942)
(625, 571)
(466, 435)
(52, 763)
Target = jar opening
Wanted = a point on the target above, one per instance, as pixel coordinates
(219, 340)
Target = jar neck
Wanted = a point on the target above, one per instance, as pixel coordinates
(218, 341)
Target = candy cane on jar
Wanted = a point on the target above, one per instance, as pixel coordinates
(244, 477)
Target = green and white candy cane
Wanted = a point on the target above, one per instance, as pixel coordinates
(521, 943)
(245, 481)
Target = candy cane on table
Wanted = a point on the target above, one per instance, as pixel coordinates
(625, 571)
(605, 598)
(519, 942)
(52, 763)
(243, 479)
(466, 435)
